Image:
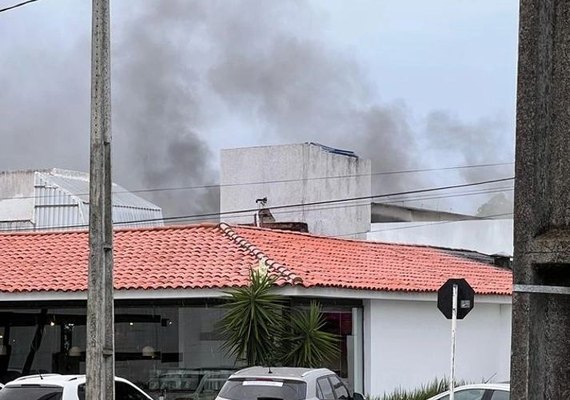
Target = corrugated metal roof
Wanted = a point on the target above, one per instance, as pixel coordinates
(60, 199)
(77, 183)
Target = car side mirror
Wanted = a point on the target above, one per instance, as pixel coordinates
(357, 396)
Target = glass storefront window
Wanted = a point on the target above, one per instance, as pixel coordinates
(159, 347)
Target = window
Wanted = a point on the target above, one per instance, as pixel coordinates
(468, 394)
(319, 392)
(326, 389)
(246, 389)
(124, 391)
(31, 393)
(500, 395)
(339, 389)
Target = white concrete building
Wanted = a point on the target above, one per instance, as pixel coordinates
(407, 342)
(489, 236)
(294, 177)
(299, 181)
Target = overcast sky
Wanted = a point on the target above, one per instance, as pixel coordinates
(410, 84)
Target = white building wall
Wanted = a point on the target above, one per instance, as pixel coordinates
(407, 344)
(486, 236)
(16, 199)
(298, 174)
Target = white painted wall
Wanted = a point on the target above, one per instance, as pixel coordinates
(300, 169)
(16, 196)
(486, 236)
(407, 344)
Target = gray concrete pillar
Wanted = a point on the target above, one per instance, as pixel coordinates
(540, 365)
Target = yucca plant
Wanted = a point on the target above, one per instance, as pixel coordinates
(255, 331)
(305, 342)
(253, 323)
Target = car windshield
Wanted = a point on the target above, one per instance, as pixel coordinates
(253, 389)
(186, 381)
(31, 393)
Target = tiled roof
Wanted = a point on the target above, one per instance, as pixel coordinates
(219, 256)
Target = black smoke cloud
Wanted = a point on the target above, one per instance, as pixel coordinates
(181, 68)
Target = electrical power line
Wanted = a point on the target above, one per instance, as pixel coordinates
(17, 5)
(217, 186)
(447, 196)
(282, 207)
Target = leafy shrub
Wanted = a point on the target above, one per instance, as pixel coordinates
(256, 329)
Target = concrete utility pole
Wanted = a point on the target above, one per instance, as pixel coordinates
(540, 365)
(100, 367)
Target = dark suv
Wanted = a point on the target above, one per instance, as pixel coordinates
(261, 383)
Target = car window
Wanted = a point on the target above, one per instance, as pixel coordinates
(339, 389)
(500, 395)
(123, 391)
(210, 385)
(31, 393)
(467, 394)
(319, 392)
(247, 389)
(175, 380)
(326, 389)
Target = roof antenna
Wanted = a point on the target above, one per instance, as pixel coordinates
(40, 373)
(269, 372)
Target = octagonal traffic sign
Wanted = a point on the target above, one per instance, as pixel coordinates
(465, 298)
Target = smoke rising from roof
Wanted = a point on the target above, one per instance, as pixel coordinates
(182, 68)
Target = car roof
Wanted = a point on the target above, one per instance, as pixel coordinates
(499, 386)
(51, 379)
(485, 386)
(280, 372)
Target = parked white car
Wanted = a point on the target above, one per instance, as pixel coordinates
(63, 387)
(481, 391)
(286, 384)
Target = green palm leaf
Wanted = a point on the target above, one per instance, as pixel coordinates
(252, 324)
(306, 343)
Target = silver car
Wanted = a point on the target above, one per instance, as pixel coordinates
(262, 383)
(481, 391)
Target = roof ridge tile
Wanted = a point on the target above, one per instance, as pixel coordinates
(272, 264)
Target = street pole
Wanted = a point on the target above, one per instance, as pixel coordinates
(100, 365)
(453, 336)
(540, 346)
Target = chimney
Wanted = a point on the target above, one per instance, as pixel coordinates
(264, 219)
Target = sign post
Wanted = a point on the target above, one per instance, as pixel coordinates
(453, 335)
(454, 299)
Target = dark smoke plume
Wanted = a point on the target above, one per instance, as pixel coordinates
(183, 68)
(159, 112)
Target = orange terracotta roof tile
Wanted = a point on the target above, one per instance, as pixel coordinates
(324, 261)
(220, 256)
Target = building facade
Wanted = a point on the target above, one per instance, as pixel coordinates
(298, 182)
(380, 299)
